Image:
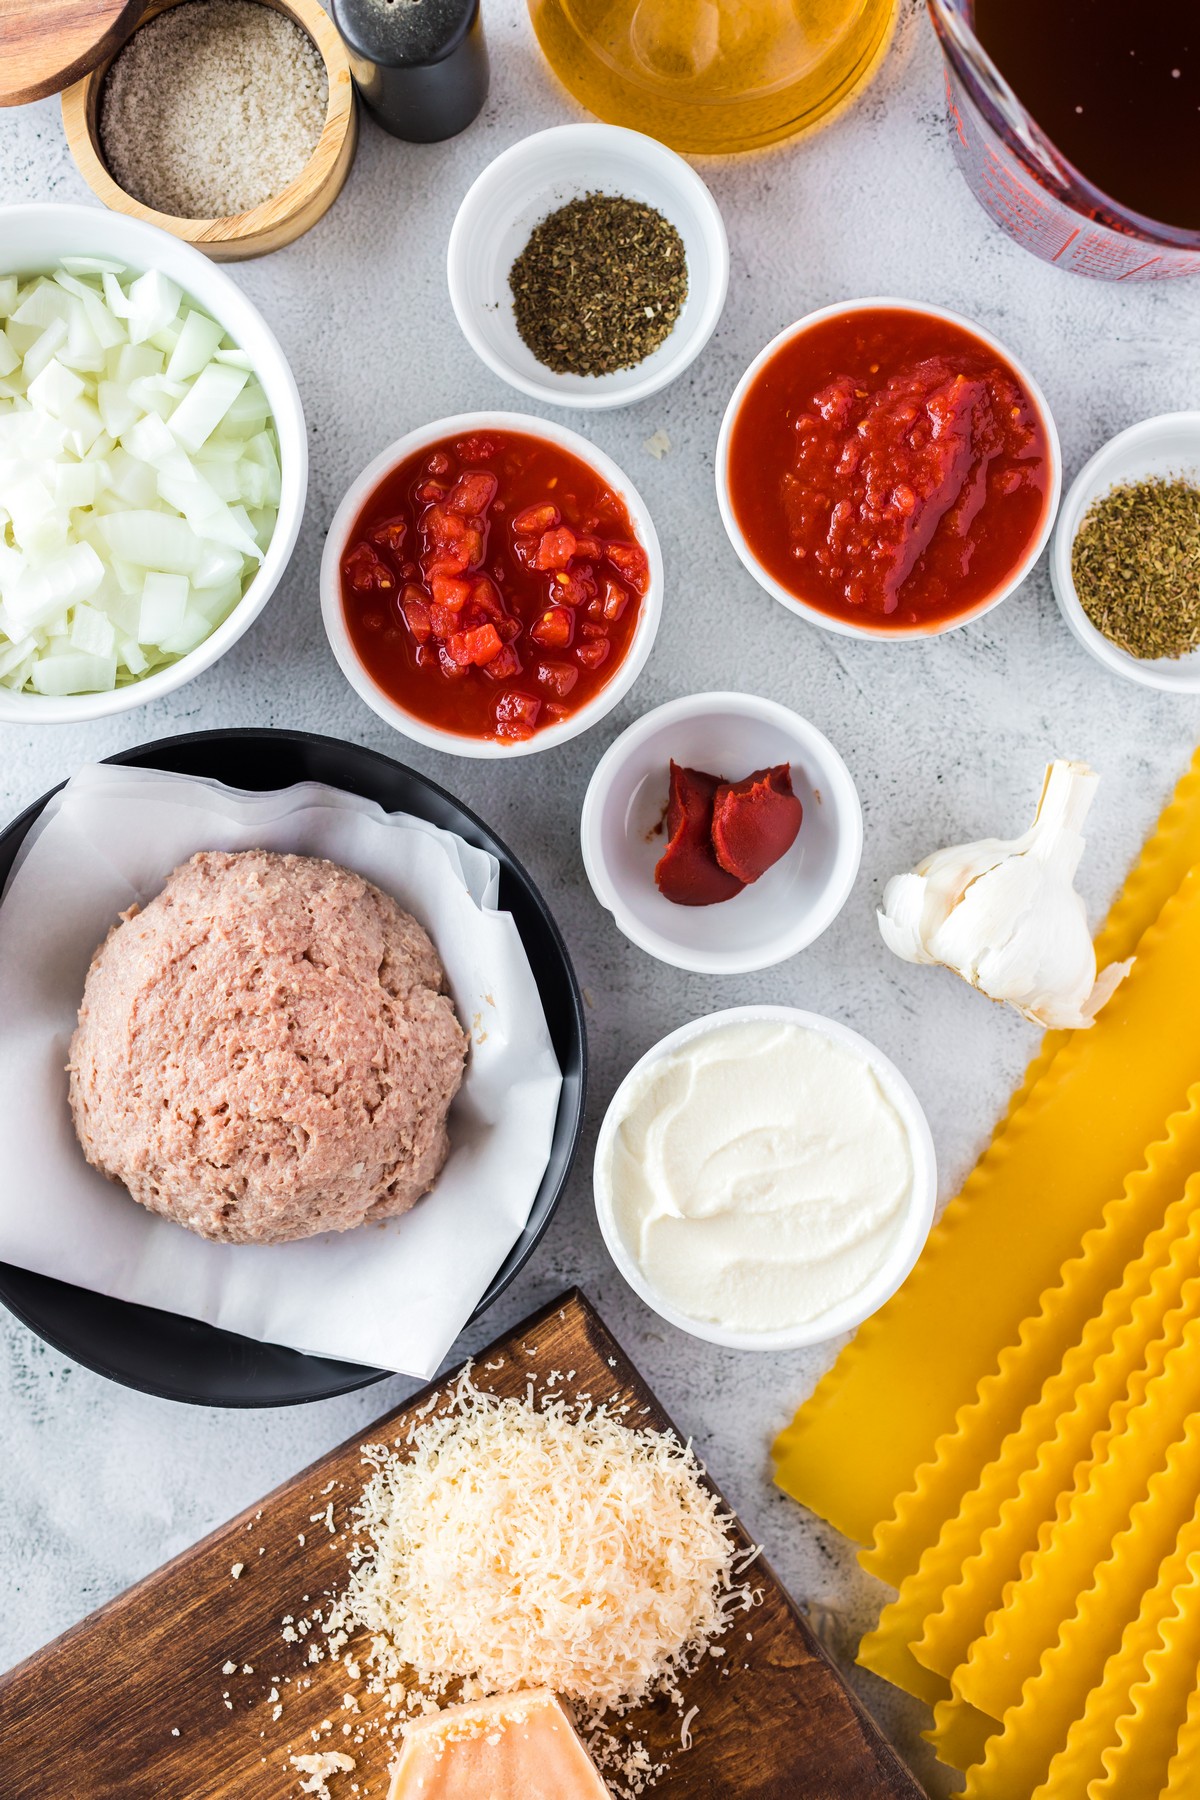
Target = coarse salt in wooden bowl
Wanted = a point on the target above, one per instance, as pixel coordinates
(278, 221)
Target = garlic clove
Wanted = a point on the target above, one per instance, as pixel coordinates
(901, 917)
(1004, 914)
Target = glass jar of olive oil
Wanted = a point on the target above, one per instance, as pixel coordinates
(714, 75)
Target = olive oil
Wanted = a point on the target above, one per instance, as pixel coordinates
(714, 75)
(1115, 86)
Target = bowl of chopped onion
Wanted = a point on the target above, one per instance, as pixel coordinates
(153, 463)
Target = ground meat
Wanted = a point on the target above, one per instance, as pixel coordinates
(267, 1051)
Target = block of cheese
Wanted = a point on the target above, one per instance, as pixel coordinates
(512, 1747)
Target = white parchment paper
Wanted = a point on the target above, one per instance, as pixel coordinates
(394, 1294)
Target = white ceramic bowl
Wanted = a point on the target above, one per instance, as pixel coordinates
(909, 1243)
(531, 180)
(730, 735)
(847, 627)
(364, 684)
(32, 240)
(1168, 445)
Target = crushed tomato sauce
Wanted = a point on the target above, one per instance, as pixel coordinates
(889, 467)
(492, 584)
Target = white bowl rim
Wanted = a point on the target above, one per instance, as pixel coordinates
(333, 617)
(21, 708)
(846, 627)
(922, 1200)
(685, 179)
(1185, 678)
(847, 859)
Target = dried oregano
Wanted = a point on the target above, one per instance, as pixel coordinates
(1135, 563)
(599, 285)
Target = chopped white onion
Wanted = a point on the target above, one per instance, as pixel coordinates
(139, 476)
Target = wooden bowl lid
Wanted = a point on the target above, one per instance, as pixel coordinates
(48, 44)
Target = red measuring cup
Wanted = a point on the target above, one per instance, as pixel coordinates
(1029, 187)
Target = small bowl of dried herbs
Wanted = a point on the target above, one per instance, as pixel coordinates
(588, 266)
(1126, 559)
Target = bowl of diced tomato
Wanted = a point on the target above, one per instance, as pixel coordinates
(491, 585)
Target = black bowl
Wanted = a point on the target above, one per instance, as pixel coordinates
(184, 1359)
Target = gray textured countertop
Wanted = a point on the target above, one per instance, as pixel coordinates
(947, 741)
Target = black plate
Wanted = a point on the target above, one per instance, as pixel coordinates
(184, 1359)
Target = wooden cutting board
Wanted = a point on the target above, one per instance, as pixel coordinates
(134, 1703)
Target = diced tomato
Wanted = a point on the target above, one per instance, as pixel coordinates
(504, 666)
(517, 715)
(477, 448)
(593, 654)
(554, 630)
(486, 596)
(559, 677)
(576, 587)
(616, 599)
(445, 562)
(390, 534)
(416, 614)
(537, 519)
(630, 562)
(443, 621)
(452, 670)
(475, 647)
(366, 571)
(473, 493)
(480, 626)
(450, 592)
(555, 548)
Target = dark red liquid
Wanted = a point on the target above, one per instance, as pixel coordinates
(492, 584)
(889, 468)
(1115, 85)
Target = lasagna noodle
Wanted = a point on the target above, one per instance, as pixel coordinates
(1121, 1747)
(878, 1415)
(943, 1606)
(1092, 1565)
(1036, 1727)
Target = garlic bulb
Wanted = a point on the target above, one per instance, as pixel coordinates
(1005, 916)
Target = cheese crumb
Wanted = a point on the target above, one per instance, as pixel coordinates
(320, 1768)
(236, 1570)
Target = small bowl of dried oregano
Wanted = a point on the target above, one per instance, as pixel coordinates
(1126, 558)
(588, 266)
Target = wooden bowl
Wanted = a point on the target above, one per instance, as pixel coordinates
(278, 221)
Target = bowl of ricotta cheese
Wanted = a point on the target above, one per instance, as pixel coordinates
(765, 1178)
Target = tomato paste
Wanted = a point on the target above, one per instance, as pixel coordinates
(492, 584)
(888, 467)
(723, 835)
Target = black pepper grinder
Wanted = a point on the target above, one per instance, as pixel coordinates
(421, 66)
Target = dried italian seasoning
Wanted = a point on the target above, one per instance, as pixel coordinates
(1136, 567)
(599, 285)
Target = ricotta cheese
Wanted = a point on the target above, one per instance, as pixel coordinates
(759, 1175)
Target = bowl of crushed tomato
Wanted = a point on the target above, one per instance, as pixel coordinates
(888, 469)
(491, 585)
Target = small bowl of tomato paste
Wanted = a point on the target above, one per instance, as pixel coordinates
(888, 469)
(737, 742)
(491, 585)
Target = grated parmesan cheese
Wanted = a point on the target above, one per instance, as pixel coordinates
(520, 1547)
